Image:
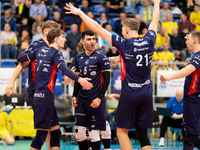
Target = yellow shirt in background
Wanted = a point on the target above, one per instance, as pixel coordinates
(4, 119)
(169, 25)
(155, 56)
(196, 19)
(165, 56)
(160, 40)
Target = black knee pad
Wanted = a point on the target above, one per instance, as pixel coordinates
(39, 139)
(55, 138)
(142, 136)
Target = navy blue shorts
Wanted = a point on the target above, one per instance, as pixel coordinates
(191, 118)
(91, 118)
(31, 96)
(135, 111)
(45, 116)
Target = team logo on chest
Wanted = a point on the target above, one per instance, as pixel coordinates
(86, 61)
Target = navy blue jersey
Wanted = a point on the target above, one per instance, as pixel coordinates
(73, 63)
(47, 60)
(135, 60)
(91, 67)
(192, 82)
(32, 65)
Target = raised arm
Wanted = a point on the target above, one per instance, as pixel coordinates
(156, 15)
(93, 25)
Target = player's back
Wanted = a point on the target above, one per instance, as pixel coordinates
(32, 65)
(136, 55)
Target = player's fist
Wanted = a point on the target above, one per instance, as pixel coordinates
(74, 102)
(164, 78)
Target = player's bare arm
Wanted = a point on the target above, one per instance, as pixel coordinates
(93, 25)
(180, 74)
(15, 75)
(114, 60)
(156, 16)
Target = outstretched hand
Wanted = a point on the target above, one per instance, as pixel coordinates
(71, 9)
(84, 83)
(157, 1)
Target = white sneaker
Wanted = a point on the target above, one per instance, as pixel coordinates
(162, 142)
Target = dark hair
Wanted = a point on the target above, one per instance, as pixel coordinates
(54, 33)
(87, 32)
(105, 24)
(196, 35)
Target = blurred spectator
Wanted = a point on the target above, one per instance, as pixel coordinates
(23, 41)
(177, 45)
(52, 6)
(18, 2)
(165, 55)
(24, 26)
(4, 133)
(169, 24)
(37, 8)
(146, 12)
(103, 19)
(155, 57)
(60, 21)
(164, 11)
(171, 66)
(176, 105)
(118, 26)
(21, 11)
(62, 4)
(114, 6)
(105, 45)
(135, 3)
(113, 96)
(195, 17)
(142, 24)
(182, 5)
(161, 38)
(39, 22)
(7, 18)
(38, 34)
(185, 26)
(112, 52)
(8, 42)
(84, 26)
(144, 31)
(85, 6)
(72, 40)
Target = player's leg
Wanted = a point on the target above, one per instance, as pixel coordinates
(194, 140)
(123, 138)
(80, 134)
(48, 141)
(106, 136)
(80, 126)
(143, 138)
(95, 139)
(39, 139)
(186, 144)
(55, 135)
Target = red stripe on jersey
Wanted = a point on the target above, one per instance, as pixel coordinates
(123, 67)
(52, 78)
(101, 79)
(33, 69)
(194, 82)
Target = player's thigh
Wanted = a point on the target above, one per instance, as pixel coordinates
(4, 133)
(81, 115)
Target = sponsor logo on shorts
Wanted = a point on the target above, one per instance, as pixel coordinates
(41, 95)
(45, 70)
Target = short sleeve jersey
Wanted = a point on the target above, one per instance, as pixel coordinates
(192, 82)
(32, 65)
(4, 118)
(91, 67)
(135, 60)
(47, 60)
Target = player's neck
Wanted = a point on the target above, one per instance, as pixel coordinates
(54, 46)
(131, 34)
(45, 39)
(88, 53)
(197, 49)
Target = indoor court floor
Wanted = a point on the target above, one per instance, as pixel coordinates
(25, 145)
